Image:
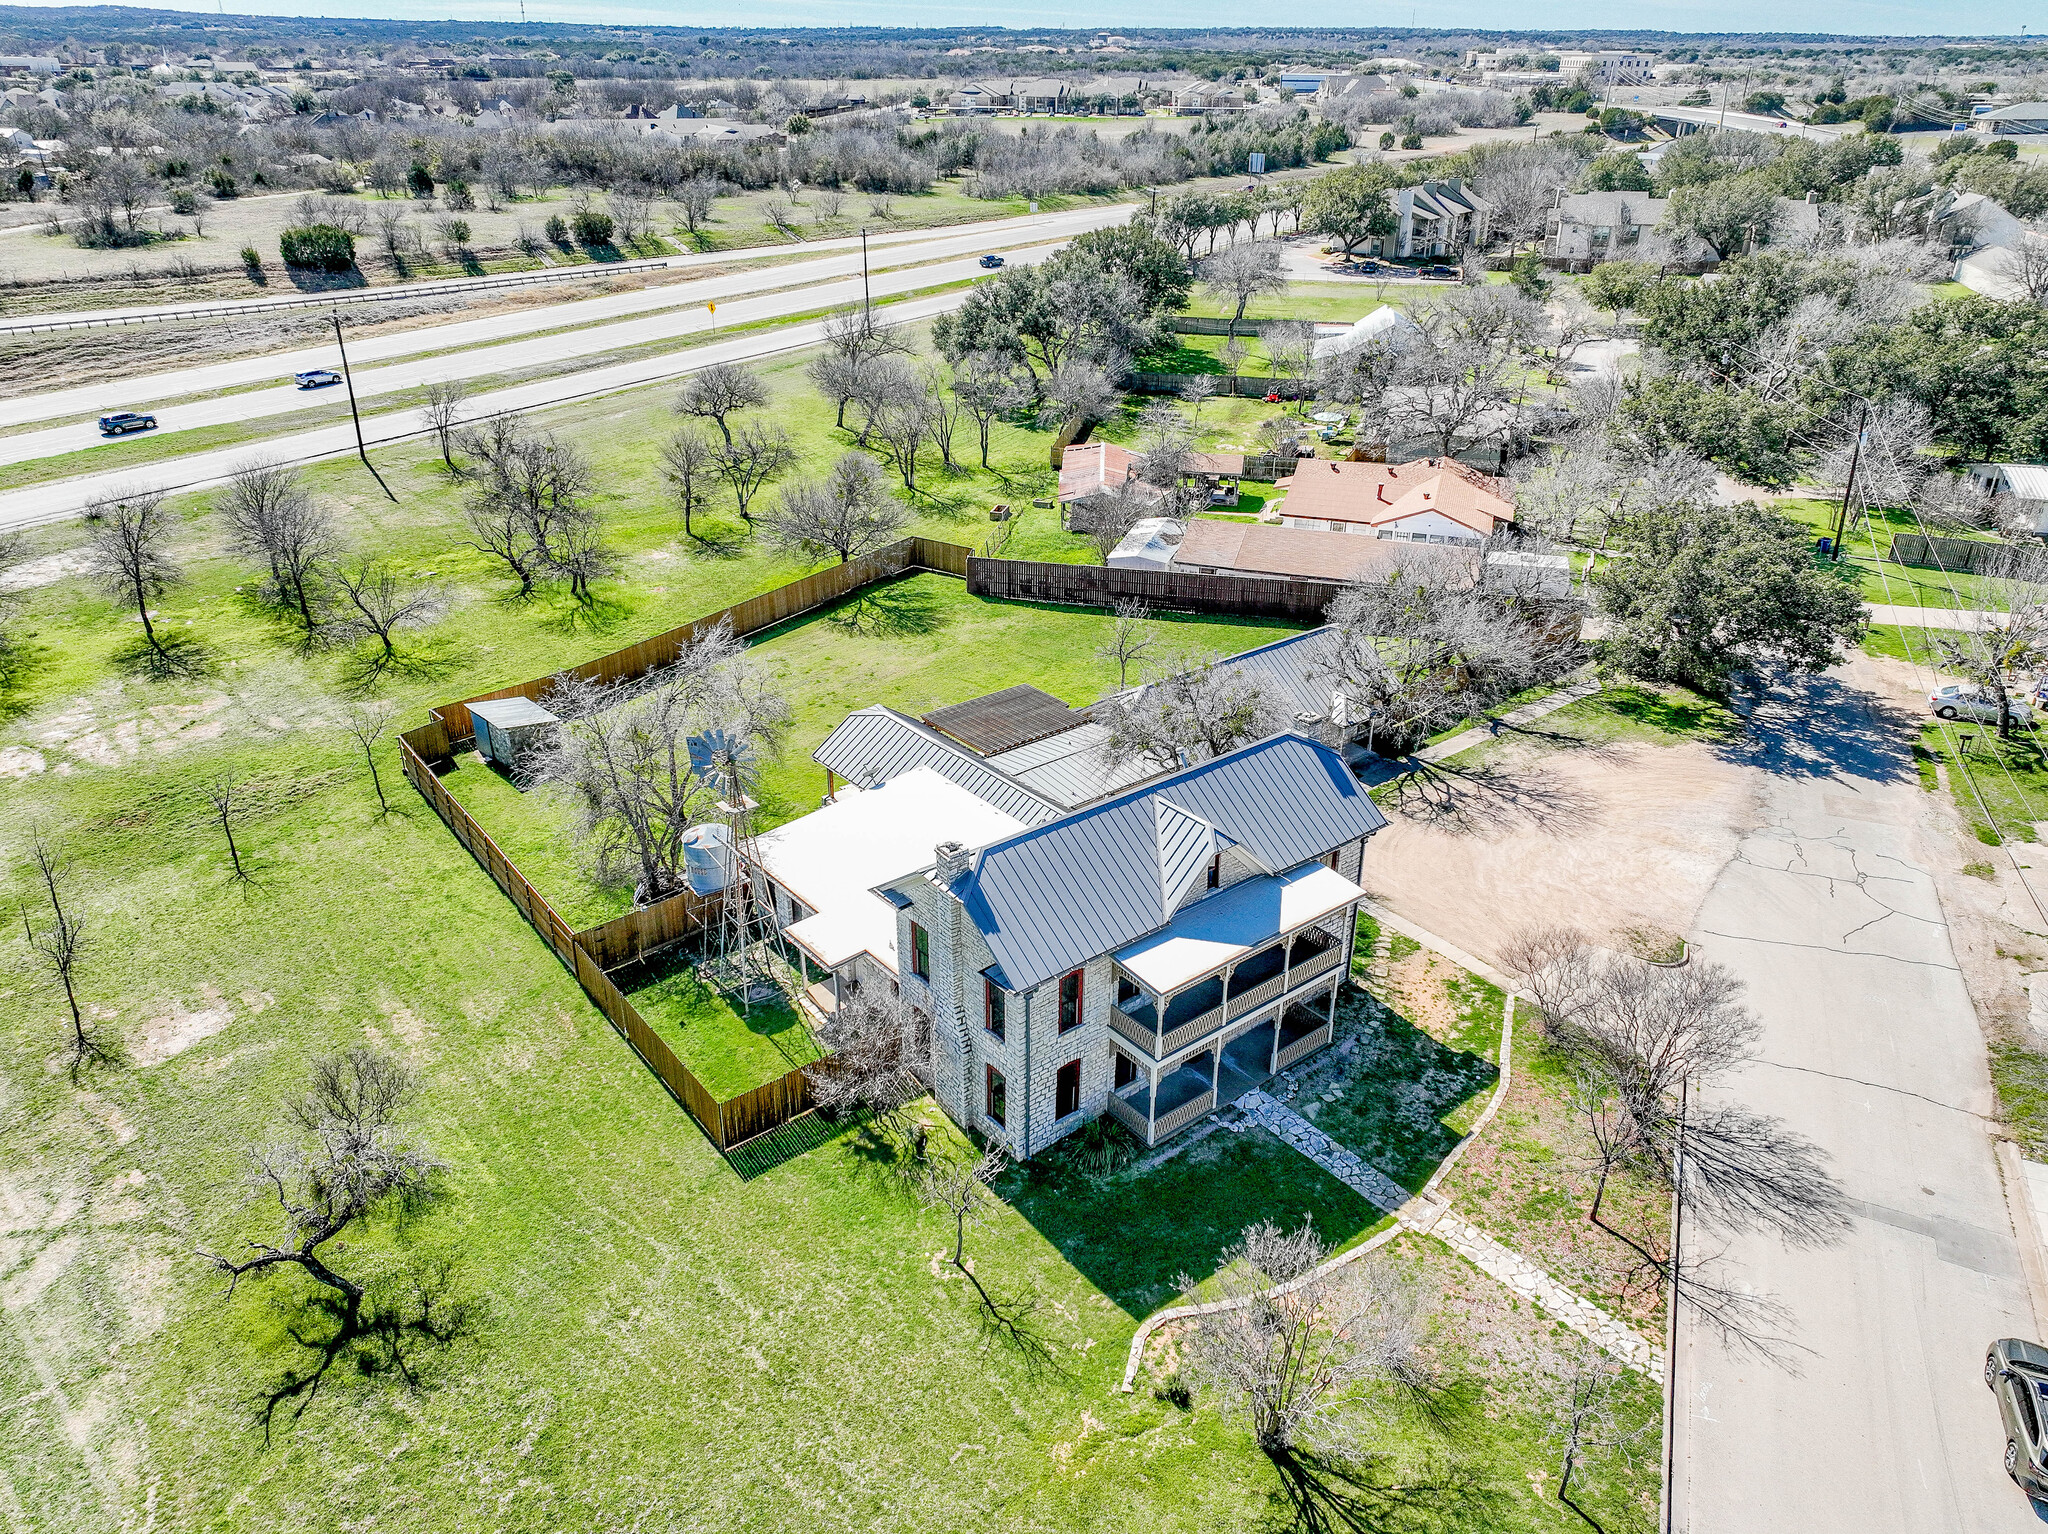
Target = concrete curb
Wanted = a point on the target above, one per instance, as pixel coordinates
(2019, 1202)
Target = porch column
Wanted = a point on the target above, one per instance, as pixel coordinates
(1273, 1054)
(1152, 1105)
(1333, 1010)
(1216, 1065)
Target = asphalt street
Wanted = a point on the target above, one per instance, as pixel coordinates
(900, 264)
(194, 471)
(1876, 1420)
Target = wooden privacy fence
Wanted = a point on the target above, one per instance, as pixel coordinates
(1241, 385)
(1030, 580)
(728, 1123)
(1973, 556)
(749, 617)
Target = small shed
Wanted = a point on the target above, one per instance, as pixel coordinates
(508, 728)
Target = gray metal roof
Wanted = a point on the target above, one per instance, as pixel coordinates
(877, 744)
(1089, 883)
(1070, 769)
(511, 713)
(1290, 672)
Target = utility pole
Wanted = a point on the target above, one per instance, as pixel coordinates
(1849, 484)
(355, 414)
(867, 303)
(1672, 1405)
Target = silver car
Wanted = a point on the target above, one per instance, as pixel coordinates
(2017, 1372)
(1959, 701)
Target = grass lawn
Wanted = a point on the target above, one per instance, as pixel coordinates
(1345, 301)
(729, 1050)
(666, 1343)
(2000, 788)
(1869, 544)
(1416, 1056)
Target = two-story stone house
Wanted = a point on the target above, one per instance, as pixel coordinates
(1149, 956)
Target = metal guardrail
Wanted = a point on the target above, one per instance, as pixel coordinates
(230, 310)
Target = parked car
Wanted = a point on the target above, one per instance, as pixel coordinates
(316, 378)
(1960, 701)
(1367, 268)
(991, 262)
(122, 421)
(2017, 1372)
(1448, 272)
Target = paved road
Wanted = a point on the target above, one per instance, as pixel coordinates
(1870, 1047)
(594, 341)
(195, 471)
(1748, 122)
(945, 256)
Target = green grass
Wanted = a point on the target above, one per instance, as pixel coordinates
(2000, 787)
(1868, 545)
(1345, 301)
(668, 1343)
(1425, 1056)
(727, 1049)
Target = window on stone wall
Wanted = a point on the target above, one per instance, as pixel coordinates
(920, 952)
(998, 1102)
(1066, 1091)
(993, 1007)
(1070, 1001)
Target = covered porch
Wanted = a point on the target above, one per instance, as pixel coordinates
(1163, 1100)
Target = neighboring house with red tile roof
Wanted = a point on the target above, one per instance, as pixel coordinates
(1431, 500)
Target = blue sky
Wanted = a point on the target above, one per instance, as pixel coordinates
(1866, 17)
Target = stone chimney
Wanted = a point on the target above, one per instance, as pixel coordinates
(952, 860)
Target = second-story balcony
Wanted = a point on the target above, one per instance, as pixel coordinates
(1228, 956)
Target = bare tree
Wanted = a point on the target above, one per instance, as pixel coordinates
(1078, 391)
(720, 391)
(903, 424)
(1196, 388)
(849, 512)
(622, 756)
(529, 504)
(1131, 638)
(1641, 1039)
(2008, 636)
(1239, 274)
(1189, 710)
(1452, 386)
(349, 1162)
(2024, 265)
(1586, 1419)
(959, 1191)
(1420, 646)
(271, 516)
(442, 413)
(228, 797)
(1166, 448)
(987, 386)
(126, 554)
(852, 342)
(60, 948)
(383, 603)
(1555, 966)
(755, 454)
(366, 724)
(880, 384)
(694, 199)
(877, 1062)
(941, 414)
(689, 461)
(1296, 1352)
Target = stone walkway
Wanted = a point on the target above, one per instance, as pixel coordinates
(1434, 1216)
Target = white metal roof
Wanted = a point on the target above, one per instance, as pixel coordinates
(2028, 481)
(511, 713)
(1234, 922)
(832, 858)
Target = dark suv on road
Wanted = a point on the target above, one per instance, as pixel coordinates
(122, 421)
(2017, 1372)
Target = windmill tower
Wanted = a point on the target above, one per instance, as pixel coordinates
(737, 964)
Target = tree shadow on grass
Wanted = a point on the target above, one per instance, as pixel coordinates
(367, 667)
(899, 610)
(600, 615)
(175, 655)
(404, 1330)
(1325, 1494)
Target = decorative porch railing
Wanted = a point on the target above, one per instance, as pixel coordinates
(1182, 1116)
(1306, 1044)
(1126, 1112)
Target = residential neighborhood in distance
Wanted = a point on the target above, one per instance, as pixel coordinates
(919, 773)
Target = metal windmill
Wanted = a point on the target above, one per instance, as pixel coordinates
(737, 963)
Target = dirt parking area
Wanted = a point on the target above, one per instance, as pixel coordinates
(1547, 829)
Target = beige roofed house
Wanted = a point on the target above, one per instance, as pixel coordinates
(1432, 500)
(1093, 475)
(1280, 553)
